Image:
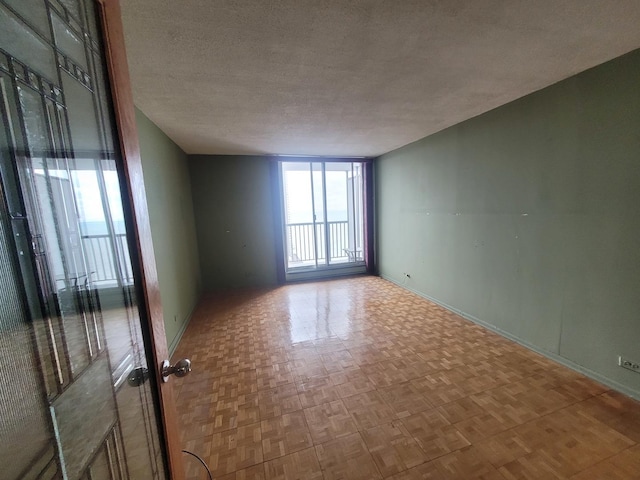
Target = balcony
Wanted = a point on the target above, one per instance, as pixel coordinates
(108, 269)
(303, 247)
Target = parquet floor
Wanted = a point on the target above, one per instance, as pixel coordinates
(360, 379)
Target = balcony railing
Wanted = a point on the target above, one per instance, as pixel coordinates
(101, 259)
(302, 247)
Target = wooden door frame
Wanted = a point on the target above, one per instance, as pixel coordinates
(147, 285)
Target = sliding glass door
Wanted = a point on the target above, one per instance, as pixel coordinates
(323, 216)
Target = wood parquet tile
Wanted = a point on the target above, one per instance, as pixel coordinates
(484, 425)
(347, 457)
(285, 434)
(535, 465)
(360, 379)
(248, 409)
(278, 401)
(252, 473)
(351, 382)
(435, 435)
(385, 373)
(235, 449)
(504, 447)
(274, 376)
(305, 368)
(426, 471)
(459, 410)
(466, 464)
(329, 421)
(338, 361)
(393, 448)
(316, 391)
(404, 399)
(368, 409)
(301, 465)
(616, 410)
(623, 466)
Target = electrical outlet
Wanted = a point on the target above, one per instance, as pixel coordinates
(629, 364)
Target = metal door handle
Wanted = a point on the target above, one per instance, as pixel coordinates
(180, 369)
(138, 376)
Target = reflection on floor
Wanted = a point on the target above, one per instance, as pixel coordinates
(360, 379)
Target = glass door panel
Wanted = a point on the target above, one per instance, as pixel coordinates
(76, 402)
(337, 211)
(299, 222)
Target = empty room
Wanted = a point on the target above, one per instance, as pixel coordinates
(320, 239)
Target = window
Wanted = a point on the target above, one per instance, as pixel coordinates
(323, 211)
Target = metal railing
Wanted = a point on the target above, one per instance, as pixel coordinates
(101, 259)
(302, 248)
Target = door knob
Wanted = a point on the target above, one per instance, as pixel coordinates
(138, 376)
(179, 369)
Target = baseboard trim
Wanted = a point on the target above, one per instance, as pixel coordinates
(183, 328)
(552, 356)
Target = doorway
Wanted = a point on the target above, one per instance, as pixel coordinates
(323, 217)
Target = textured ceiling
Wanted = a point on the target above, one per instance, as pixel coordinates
(353, 77)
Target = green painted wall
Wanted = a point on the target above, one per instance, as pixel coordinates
(527, 218)
(168, 187)
(234, 219)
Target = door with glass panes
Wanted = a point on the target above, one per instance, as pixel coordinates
(78, 394)
(323, 217)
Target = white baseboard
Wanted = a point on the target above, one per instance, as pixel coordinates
(553, 356)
